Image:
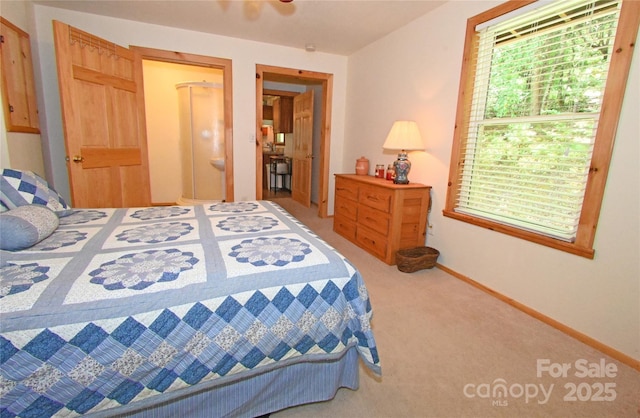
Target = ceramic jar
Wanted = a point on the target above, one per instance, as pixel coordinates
(362, 166)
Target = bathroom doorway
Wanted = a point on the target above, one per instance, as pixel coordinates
(169, 69)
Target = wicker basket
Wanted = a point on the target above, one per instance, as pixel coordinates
(414, 259)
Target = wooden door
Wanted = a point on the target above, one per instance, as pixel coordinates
(101, 93)
(302, 148)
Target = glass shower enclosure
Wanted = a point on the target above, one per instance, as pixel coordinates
(202, 147)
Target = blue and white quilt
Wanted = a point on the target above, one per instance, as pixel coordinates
(121, 305)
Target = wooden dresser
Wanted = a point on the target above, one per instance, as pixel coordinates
(380, 216)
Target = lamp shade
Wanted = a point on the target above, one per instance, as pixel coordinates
(404, 135)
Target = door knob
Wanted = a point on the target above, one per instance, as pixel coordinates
(78, 159)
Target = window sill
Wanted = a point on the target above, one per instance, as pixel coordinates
(522, 234)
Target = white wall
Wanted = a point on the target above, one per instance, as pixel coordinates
(244, 55)
(414, 73)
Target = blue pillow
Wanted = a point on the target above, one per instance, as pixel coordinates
(25, 226)
(19, 187)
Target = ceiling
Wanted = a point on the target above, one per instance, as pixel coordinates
(333, 26)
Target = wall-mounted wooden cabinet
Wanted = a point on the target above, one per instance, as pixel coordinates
(18, 88)
(267, 112)
(283, 115)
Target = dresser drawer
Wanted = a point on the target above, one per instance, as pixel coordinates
(372, 241)
(346, 207)
(347, 189)
(344, 227)
(374, 219)
(375, 197)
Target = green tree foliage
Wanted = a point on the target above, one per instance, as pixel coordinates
(560, 71)
(534, 147)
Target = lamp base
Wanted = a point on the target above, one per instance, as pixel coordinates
(402, 166)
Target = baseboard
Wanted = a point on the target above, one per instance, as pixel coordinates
(611, 352)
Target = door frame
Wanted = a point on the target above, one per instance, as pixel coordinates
(223, 64)
(296, 76)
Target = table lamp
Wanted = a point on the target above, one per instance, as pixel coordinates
(404, 136)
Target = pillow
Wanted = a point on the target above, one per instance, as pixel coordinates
(25, 226)
(19, 187)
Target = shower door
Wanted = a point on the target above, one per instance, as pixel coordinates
(202, 142)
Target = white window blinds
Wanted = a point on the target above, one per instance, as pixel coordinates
(537, 94)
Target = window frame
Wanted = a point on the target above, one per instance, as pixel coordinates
(604, 140)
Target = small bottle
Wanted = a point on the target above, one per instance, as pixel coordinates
(390, 172)
(380, 171)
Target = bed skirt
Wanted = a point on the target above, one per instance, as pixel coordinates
(271, 391)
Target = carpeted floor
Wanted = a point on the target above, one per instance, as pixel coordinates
(448, 348)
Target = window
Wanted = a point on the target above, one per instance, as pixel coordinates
(537, 113)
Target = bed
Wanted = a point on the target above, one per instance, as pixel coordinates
(224, 309)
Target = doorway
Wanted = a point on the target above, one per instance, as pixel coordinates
(277, 138)
(300, 77)
(223, 66)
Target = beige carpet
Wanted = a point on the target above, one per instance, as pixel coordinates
(445, 345)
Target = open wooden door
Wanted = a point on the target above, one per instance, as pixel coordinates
(102, 102)
(302, 148)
